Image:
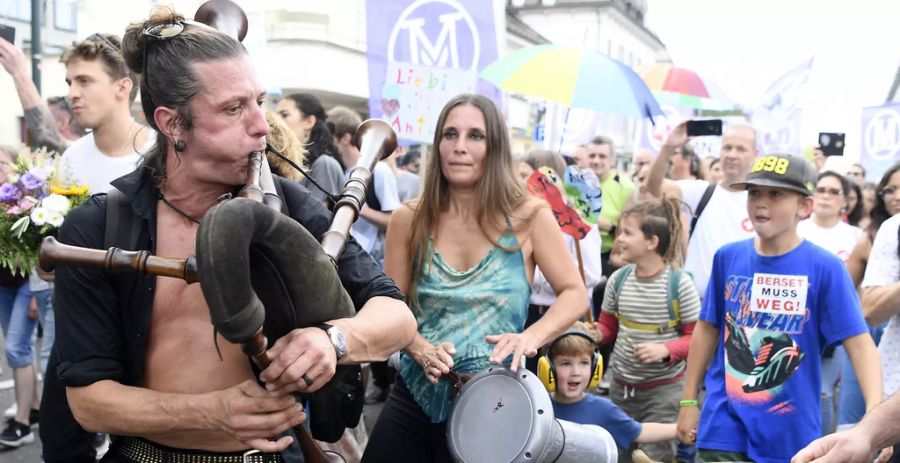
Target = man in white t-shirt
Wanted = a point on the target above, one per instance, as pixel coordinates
(724, 219)
(382, 198)
(881, 299)
(101, 91)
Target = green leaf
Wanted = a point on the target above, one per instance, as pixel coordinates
(20, 226)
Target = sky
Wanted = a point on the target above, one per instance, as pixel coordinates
(745, 45)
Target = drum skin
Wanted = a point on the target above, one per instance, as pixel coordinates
(506, 416)
(261, 269)
(501, 416)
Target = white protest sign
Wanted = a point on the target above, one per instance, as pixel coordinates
(779, 294)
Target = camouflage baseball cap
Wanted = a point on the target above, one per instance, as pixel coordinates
(781, 171)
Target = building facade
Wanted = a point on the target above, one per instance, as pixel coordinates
(320, 47)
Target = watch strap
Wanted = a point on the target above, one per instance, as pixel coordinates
(324, 326)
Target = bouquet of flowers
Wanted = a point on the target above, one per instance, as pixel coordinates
(34, 200)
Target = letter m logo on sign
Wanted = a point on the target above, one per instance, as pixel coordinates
(436, 33)
(445, 47)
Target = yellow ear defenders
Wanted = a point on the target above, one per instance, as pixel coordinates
(547, 371)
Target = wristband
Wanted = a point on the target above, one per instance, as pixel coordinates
(688, 403)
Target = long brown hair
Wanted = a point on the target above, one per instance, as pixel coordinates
(661, 218)
(498, 190)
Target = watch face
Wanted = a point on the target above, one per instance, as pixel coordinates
(338, 341)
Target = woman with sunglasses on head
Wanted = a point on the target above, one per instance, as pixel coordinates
(887, 204)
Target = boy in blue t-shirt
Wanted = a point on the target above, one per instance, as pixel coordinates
(571, 358)
(775, 302)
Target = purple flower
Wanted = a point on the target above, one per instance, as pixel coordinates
(9, 193)
(31, 181)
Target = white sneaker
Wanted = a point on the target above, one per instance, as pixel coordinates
(11, 411)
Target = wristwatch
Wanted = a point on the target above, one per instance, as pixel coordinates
(337, 339)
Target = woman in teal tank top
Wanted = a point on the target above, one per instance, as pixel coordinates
(465, 254)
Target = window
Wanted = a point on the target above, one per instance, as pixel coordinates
(16, 9)
(65, 13)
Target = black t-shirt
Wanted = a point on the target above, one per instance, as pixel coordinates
(102, 320)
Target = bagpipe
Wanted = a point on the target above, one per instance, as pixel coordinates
(261, 272)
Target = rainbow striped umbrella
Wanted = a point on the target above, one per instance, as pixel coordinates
(575, 77)
(683, 87)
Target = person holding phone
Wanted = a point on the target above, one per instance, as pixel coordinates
(43, 127)
(720, 215)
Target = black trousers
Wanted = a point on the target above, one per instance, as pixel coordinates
(382, 374)
(404, 432)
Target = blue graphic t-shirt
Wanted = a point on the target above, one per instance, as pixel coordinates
(775, 314)
(601, 412)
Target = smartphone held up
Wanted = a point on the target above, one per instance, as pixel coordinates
(8, 33)
(704, 127)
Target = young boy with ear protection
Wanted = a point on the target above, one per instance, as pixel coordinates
(571, 367)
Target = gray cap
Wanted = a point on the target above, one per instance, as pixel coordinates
(781, 171)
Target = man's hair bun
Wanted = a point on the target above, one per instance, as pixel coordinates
(133, 41)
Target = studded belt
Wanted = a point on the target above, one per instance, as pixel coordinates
(143, 451)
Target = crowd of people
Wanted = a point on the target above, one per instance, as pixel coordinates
(721, 293)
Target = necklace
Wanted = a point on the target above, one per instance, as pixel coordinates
(176, 209)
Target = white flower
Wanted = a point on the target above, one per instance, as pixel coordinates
(55, 219)
(13, 178)
(56, 203)
(39, 215)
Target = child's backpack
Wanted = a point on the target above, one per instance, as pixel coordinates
(672, 302)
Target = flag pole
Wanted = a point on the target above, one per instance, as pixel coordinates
(590, 315)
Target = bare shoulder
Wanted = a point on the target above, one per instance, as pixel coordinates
(534, 216)
(404, 213)
(530, 209)
(402, 218)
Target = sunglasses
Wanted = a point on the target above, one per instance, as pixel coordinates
(832, 191)
(97, 36)
(888, 191)
(162, 32)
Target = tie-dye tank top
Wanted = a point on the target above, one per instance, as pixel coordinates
(463, 308)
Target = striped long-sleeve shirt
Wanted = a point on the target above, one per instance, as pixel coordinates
(645, 300)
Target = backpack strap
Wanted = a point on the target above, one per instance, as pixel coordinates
(675, 298)
(704, 200)
(123, 230)
(618, 282)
